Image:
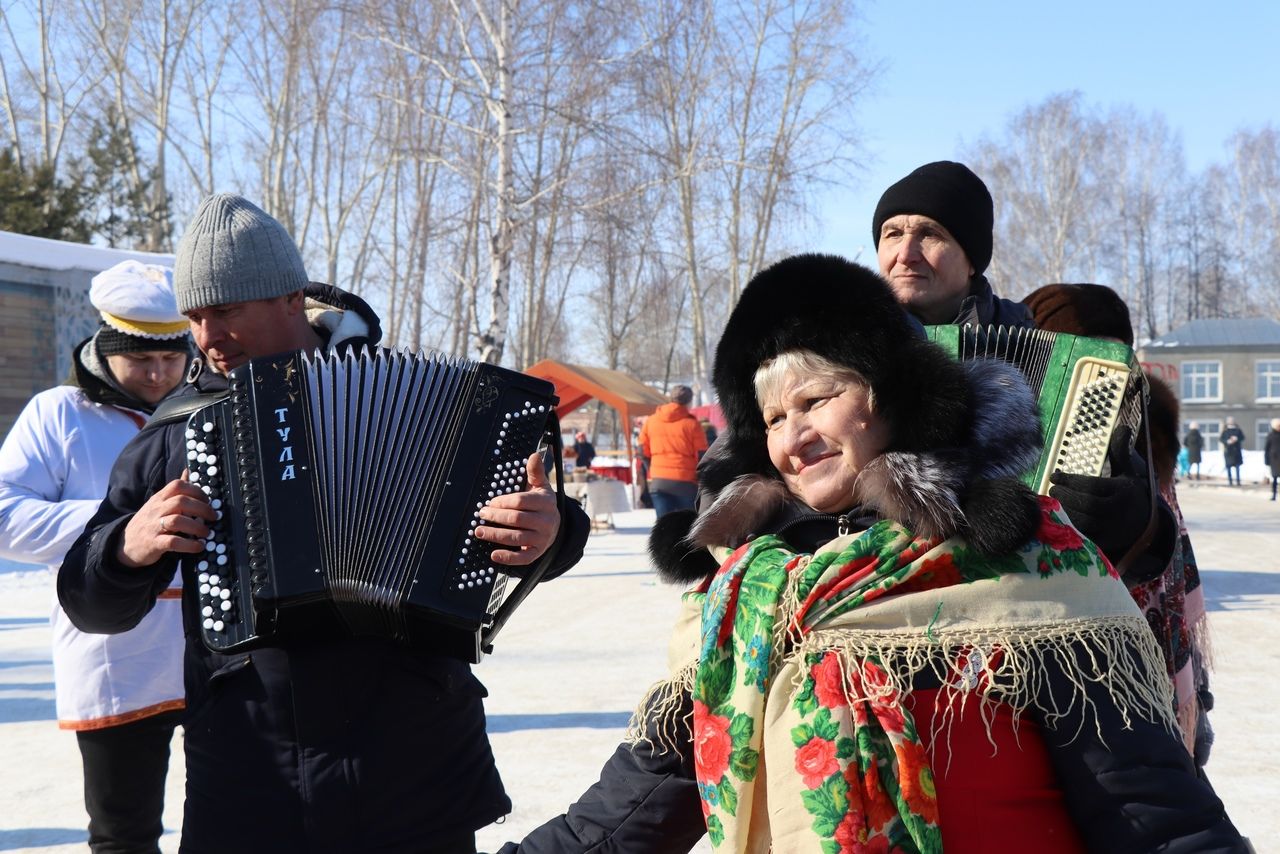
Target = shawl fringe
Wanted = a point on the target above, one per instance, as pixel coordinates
(657, 722)
(1115, 652)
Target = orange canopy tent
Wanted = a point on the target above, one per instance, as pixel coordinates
(577, 384)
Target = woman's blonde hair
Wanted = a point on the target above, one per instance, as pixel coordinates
(772, 373)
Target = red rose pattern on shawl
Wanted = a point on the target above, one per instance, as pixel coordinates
(863, 773)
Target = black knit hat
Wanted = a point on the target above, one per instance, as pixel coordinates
(846, 313)
(113, 342)
(952, 195)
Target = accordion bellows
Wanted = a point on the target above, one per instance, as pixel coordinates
(349, 487)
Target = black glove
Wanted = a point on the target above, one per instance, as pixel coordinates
(1113, 511)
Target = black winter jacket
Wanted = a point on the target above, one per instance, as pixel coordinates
(983, 308)
(339, 746)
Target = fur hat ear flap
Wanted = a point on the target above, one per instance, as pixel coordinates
(1000, 514)
(677, 560)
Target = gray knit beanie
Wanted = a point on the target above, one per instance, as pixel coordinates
(234, 252)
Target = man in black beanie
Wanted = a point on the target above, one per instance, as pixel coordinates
(933, 235)
(932, 232)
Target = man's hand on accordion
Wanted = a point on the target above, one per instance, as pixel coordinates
(172, 520)
(525, 522)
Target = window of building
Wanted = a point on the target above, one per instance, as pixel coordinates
(1263, 428)
(1268, 373)
(1209, 431)
(1202, 381)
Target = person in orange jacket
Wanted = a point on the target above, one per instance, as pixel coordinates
(672, 442)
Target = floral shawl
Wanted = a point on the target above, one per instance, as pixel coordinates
(798, 666)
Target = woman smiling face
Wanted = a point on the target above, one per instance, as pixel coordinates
(821, 429)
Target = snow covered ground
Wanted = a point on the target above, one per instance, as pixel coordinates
(580, 652)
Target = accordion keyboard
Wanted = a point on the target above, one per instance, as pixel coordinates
(218, 591)
(1094, 405)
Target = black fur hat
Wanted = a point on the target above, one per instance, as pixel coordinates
(846, 313)
(960, 432)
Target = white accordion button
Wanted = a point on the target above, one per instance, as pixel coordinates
(208, 622)
(204, 589)
(206, 611)
(216, 504)
(190, 434)
(209, 545)
(225, 593)
(222, 560)
(215, 591)
(191, 444)
(203, 578)
(202, 447)
(202, 565)
(207, 427)
(226, 606)
(214, 579)
(213, 471)
(221, 549)
(218, 625)
(195, 477)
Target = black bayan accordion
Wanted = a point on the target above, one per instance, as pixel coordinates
(348, 489)
(1086, 388)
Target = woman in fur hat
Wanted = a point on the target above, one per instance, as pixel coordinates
(902, 647)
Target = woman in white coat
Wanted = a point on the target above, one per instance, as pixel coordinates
(121, 694)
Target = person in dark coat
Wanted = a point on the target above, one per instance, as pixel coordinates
(325, 745)
(583, 451)
(1194, 443)
(1173, 601)
(1271, 454)
(1232, 440)
(870, 664)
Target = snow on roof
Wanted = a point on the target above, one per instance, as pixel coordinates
(41, 253)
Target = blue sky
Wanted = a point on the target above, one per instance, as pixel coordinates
(955, 72)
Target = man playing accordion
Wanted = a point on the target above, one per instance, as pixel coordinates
(334, 744)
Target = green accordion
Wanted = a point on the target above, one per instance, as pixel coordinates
(1086, 389)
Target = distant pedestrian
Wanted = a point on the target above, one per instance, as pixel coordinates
(583, 451)
(709, 429)
(121, 694)
(1271, 454)
(1194, 443)
(672, 442)
(1232, 439)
